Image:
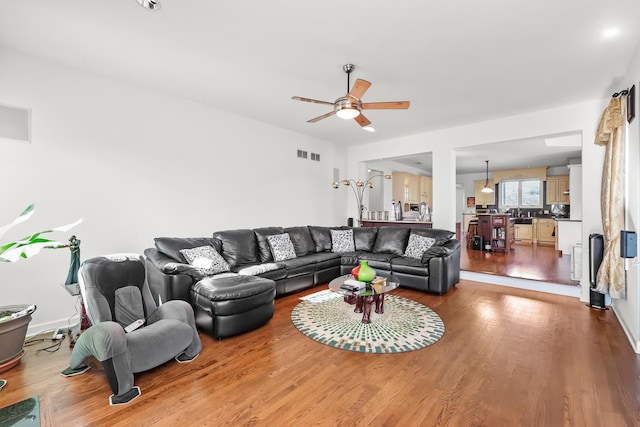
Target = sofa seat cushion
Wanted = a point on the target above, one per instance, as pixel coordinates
(351, 258)
(381, 261)
(298, 266)
(324, 260)
(277, 273)
(409, 266)
(229, 287)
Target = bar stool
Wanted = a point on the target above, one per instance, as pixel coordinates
(472, 231)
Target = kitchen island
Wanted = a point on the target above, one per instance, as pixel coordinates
(401, 223)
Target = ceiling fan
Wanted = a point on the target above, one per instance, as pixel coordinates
(350, 106)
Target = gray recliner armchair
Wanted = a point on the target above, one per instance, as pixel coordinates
(116, 296)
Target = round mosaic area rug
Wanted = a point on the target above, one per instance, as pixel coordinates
(406, 325)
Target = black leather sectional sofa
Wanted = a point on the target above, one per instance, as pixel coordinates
(242, 299)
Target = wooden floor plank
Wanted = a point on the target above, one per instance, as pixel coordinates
(508, 357)
(533, 262)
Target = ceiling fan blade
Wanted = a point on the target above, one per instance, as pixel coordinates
(315, 101)
(359, 88)
(362, 120)
(394, 105)
(324, 116)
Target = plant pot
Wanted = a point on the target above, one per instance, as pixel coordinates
(13, 330)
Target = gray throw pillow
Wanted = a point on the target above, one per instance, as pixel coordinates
(206, 260)
(342, 241)
(418, 245)
(281, 247)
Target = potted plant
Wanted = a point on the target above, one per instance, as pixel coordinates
(14, 319)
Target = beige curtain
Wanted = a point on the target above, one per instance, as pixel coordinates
(610, 279)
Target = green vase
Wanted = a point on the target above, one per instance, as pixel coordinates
(366, 273)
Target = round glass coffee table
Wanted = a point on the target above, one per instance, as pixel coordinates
(365, 297)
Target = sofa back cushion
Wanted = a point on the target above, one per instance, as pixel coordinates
(302, 241)
(365, 238)
(322, 237)
(238, 246)
(391, 240)
(171, 246)
(264, 250)
(441, 236)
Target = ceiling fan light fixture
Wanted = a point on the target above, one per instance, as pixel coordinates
(346, 109)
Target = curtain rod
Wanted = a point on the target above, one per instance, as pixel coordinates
(621, 93)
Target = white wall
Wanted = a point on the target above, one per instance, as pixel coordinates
(628, 309)
(138, 164)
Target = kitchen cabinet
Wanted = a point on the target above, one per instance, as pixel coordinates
(556, 188)
(523, 233)
(497, 231)
(545, 231)
(426, 190)
(484, 199)
(407, 188)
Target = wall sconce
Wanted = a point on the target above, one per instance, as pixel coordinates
(358, 188)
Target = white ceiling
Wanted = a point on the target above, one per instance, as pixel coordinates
(457, 61)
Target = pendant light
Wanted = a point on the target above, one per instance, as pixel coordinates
(486, 188)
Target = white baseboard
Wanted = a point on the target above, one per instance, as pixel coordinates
(532, 285)
(35, 329)
(634, 344)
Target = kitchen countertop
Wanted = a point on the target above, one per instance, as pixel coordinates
(402, 221)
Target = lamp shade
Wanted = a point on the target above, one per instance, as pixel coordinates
(347, 113)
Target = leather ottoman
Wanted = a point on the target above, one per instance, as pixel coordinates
(231, 304)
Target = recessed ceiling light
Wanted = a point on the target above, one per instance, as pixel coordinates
(149, 4)
(368, 128)
(610, 33)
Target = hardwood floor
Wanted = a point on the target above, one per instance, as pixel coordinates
(533, 262)
(508, 357)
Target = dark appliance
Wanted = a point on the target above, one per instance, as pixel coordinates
(477, 243)
(596, 250)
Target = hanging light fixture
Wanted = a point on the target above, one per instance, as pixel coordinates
(486, 188)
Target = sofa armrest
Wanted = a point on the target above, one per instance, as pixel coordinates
(444, 269)
(168, 279)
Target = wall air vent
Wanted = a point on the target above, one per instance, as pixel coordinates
(15, 123)
(315, 156)
(302, 154)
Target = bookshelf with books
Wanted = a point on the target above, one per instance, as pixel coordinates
(497, 232)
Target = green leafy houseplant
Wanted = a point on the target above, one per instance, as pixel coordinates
(33, 244)
(14, 320)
